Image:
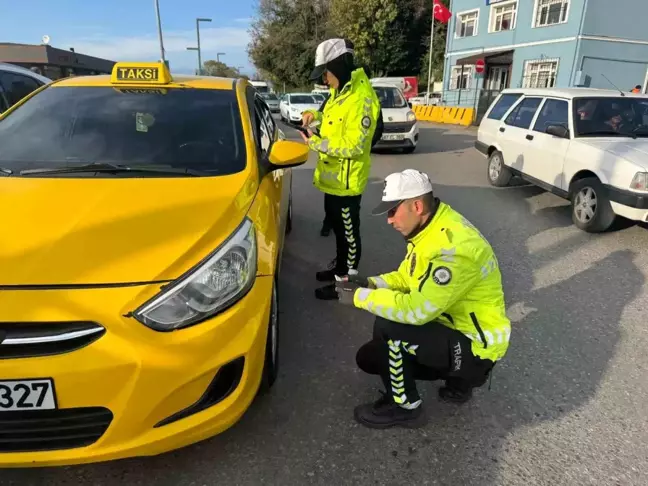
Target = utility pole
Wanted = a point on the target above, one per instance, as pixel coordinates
(159, 22)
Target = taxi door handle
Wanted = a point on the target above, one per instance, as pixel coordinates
(529, 137)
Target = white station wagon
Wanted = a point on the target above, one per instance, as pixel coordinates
(587, 145)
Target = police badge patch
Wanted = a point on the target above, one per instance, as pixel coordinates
(366, 122)
(413, 263)
(442, 276)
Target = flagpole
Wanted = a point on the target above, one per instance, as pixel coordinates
(428, 97)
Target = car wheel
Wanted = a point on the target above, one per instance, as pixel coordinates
(591, 208)
(409, 150)
(498, 174)
(271, 364)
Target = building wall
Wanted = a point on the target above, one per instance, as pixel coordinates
(625, 19)
(524, 31)
(624, 64)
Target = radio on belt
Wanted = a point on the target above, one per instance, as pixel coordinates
(140, 73)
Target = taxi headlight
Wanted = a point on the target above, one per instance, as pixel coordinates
(214, 285)
(411, 116)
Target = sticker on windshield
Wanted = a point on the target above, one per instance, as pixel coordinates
(143, 121)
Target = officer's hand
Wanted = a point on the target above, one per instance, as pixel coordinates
(307, 119)
(346, 291)
(360, 280)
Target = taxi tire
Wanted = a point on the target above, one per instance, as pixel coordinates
(270, 365)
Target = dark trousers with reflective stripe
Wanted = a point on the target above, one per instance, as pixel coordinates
(343, 215)
(402, 354)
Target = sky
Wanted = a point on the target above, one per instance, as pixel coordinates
(126, 30)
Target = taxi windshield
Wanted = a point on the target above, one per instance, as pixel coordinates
(193, 129)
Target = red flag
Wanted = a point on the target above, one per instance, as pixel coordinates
(441, 12)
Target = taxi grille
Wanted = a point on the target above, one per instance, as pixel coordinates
(43, 430)
(398, 127)
(32, 339)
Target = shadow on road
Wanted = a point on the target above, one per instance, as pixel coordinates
(564, 336)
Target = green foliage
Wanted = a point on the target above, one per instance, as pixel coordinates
(391, 37)
(217, 68)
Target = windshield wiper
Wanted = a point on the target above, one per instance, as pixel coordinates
(5, 172)
(112, 168)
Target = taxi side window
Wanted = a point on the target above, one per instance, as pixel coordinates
(17, 86)
(266, 132)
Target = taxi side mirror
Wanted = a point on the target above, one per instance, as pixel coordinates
(285, 153)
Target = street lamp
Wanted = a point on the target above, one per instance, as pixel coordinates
(218, 55)
(198, 20)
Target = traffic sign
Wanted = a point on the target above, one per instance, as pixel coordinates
(479, 66)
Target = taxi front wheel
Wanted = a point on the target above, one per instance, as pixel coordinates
(271, 365)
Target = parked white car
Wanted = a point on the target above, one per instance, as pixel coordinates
(293, 105)
(401, 129)
(586, 145)
(426, 99)
(17, 82)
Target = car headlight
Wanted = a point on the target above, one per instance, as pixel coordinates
(209, 288)
(411, 116)
(640, 182)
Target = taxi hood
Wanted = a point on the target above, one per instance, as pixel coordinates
(65, 231)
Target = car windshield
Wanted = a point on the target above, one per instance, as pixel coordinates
(390, 97)
(302, 100)
(621, 116)
(60, 127)
(269, 96)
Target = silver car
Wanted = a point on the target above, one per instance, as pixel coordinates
(17, 82)
(272, 101)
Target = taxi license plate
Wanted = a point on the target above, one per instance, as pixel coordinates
(393, 136)
(20, 395)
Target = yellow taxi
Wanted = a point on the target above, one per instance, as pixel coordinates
(143, 224)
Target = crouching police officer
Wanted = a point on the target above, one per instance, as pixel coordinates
(440, 316)
(347, 126)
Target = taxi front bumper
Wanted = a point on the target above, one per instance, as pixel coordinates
(134, 391)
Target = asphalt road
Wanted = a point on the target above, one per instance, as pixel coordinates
(567, 405)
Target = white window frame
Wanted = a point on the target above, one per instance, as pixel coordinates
(459, 15)
(644, 87)
(529, 62)
(492, 16)
(455, 72)
(536, 7)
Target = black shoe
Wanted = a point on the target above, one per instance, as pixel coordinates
(453, 395)
(326, 293)
(385, 413)
(327, 275)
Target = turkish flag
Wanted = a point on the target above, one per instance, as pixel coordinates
(441, 12)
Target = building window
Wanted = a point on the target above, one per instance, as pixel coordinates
(503, 16)
(459, 80)
(550, 12)
(467, 23)
(540, 74)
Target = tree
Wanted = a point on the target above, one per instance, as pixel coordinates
(285, 36)
(217, 68)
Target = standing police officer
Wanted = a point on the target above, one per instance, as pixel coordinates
(440, 316)
(347, 125)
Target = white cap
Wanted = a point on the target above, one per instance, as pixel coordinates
(399, 186)
(326, 52)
